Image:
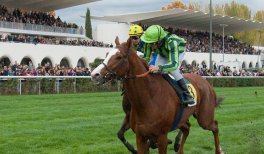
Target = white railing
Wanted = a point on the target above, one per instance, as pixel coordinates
(57, 83)
(242, 77)
(45, 77)
(42, 28)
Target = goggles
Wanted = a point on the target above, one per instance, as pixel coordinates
(135, 37)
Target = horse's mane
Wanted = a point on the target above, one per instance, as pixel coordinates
(145, 63)
(127, 46)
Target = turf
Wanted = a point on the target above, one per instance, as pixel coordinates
(87, 124)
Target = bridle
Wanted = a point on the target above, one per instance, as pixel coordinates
(113, 75)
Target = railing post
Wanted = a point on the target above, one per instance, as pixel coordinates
(39, 87)
(57, 83)
(118, 86)
(20, 87)
(74, 85)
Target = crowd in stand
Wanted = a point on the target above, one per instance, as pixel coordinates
(46, 70)
(40, 18)
(32, 17)
(220, 71)
(20, 38)
(196, 42)
(199, 42)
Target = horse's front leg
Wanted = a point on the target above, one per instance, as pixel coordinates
(120, 134)
(125, 126)
(142, 145)
(177, 141)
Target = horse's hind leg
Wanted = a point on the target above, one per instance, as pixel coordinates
(120, 134)
(177, 141)
(185, 130)
(215, 131)
(162, 143)
(213, 126)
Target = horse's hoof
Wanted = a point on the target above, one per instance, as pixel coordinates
(176, 147)
(134, 152)
(152, 144)
(155, 145)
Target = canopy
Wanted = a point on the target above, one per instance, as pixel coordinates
(43, 5)
(186, 19)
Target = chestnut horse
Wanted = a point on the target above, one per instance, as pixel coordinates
(154, 103)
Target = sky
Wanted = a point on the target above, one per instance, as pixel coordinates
(115, 7)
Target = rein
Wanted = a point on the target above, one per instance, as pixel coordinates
(137, 76)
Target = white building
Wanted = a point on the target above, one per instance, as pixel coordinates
(54, 54)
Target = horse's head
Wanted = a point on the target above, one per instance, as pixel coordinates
(115, 65)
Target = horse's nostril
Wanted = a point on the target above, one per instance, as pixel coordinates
(95, 75)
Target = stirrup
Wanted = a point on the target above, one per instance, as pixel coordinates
(188, 102)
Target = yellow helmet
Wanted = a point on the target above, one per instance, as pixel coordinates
(135, 30)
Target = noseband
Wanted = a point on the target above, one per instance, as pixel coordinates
(112, 74)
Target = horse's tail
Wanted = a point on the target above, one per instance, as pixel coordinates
(219, 100)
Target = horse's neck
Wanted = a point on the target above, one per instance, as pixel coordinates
(139, 89)
(136, 65)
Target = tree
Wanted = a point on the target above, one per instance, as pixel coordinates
(88, 26)
(259, 16)
(235, 9)
(175, 4)
(219, 9)
(195, 6)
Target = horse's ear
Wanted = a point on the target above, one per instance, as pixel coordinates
(117, 42)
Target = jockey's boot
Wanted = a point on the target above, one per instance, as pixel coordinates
(185, 96)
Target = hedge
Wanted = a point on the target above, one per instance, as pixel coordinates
(236, 82)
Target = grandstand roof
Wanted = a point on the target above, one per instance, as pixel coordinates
(43, 5)
(186, 19)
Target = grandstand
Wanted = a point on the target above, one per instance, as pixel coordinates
(28, 34)
(43, 5)
(194, 26)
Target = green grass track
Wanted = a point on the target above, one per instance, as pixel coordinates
(87, 124)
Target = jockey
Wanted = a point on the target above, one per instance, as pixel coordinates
(171, 50)
(135, 33)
